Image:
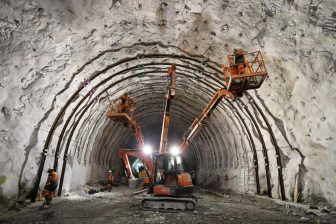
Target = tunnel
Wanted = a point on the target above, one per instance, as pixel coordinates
(64, 62)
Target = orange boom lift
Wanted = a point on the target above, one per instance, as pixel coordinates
(244, 71)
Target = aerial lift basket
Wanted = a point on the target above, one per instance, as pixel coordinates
(121, 112)
(249, 74)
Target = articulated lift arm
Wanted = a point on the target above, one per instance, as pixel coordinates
(127, 119)
(137, 133)
(166, 118)
(244, 71)
(123, 112)
(198, 122)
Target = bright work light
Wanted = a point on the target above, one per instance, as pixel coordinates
(175, 150)
(147, 149)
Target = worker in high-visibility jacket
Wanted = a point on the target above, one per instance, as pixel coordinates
(239, 61)
(110, 180)
(50, 187)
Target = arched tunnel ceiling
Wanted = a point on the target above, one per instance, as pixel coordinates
(149, 98)
(51, 48)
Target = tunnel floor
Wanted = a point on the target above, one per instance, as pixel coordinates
(119, 206)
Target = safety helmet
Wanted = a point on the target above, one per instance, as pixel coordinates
(110, 171)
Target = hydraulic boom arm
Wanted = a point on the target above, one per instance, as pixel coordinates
(123, 112)
(137, 133)
(198, 122)
(244, 71)
(166, 118)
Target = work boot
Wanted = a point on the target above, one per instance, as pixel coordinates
(44, 206)
(46, 203)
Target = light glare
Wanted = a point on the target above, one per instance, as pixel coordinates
(175, 150)
(147, 149)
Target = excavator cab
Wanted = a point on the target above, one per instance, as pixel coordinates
(172, 185)
(169, 176)
(122, 109)
(244, 71)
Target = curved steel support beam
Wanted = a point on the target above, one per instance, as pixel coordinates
(96, 74)
(73, 129)
(72, 132)
(254, 150)
(277, 149)
(268, 173)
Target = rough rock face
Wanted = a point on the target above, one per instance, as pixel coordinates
(50, 49)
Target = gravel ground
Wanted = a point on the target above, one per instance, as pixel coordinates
(119, 206)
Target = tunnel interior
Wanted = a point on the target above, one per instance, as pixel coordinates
(64, 62)
(221, 153)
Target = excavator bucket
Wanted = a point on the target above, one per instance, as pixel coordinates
(244, 71)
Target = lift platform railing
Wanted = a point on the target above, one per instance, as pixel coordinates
(244, 71)
(250, 74)
(120, 112)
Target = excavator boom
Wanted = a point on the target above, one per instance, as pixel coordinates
(166, 117)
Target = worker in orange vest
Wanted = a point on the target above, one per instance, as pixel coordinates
(110, 180)
(50, 187)
(239, 61)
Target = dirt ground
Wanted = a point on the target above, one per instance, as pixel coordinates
(119, 206)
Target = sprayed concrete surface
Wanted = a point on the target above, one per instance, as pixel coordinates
(119, 206)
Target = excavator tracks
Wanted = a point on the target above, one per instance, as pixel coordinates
(169, 204)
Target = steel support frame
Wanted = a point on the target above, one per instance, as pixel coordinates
(62, 111)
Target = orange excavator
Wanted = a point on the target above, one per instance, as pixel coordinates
(172, 187)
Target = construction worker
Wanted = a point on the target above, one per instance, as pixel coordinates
(50, 187)
(239, 56)
(238, 69)
(126, 104)
(193, 177)
(239, 60)
(123, 103)
(110, 180)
